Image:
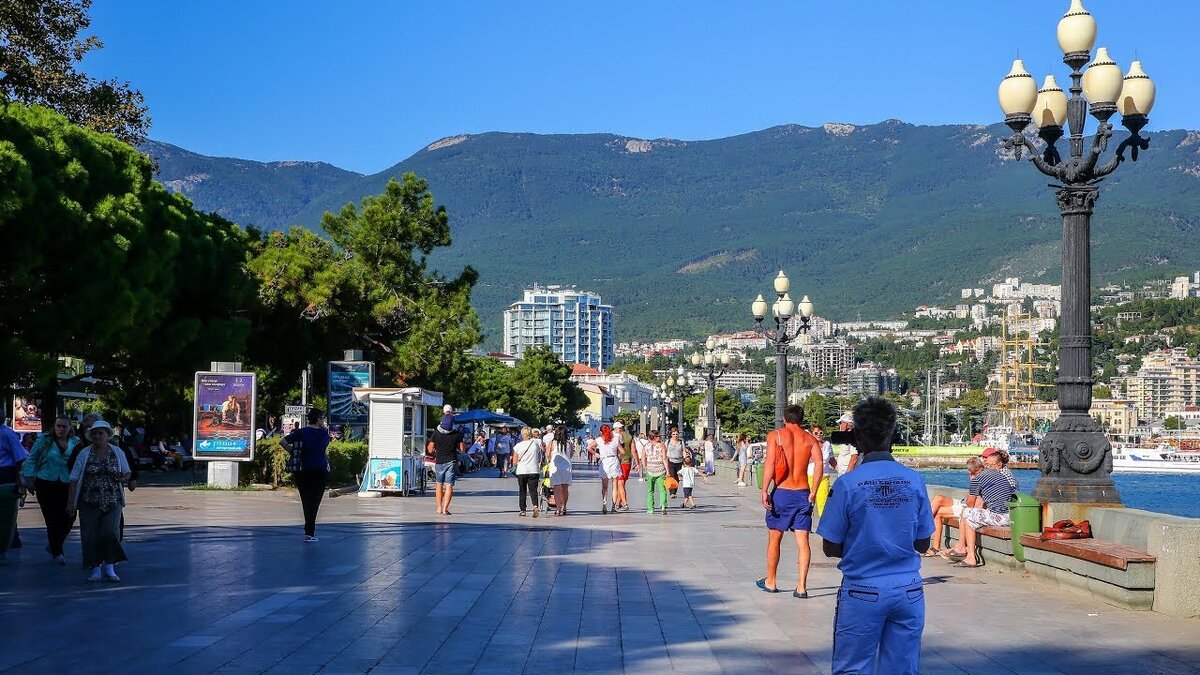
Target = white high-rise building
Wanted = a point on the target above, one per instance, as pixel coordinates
(575, 324)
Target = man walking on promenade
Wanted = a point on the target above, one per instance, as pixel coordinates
(627, 459)
(786, 497)
(501, 448)
(445, 444)
(878, 522)
(12, 456)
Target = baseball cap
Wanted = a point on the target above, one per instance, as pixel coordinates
(988, 452)
(845, 419)
(618, 425)
(447, 408)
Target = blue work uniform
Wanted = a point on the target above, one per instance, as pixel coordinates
(876, 512)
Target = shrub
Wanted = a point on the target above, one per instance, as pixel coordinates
(267, 467)
(347, 460)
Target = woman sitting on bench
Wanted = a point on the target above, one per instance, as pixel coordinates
(946, 508)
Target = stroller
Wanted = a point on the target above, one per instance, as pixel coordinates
(546, 494)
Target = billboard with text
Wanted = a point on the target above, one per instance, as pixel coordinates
(223, 422)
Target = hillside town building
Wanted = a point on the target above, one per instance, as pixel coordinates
(1167, 380)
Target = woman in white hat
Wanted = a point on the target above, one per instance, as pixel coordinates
(97, 493)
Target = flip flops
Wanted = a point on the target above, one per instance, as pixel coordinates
(950, 555)
(961, 563)
(762, 584)
(803, 595)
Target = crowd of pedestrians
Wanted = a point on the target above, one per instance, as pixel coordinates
(82, 474)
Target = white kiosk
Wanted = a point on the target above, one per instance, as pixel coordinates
(396, 436)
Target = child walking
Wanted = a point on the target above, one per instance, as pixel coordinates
(687, 481)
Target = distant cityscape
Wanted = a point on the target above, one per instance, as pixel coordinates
(1003, 327)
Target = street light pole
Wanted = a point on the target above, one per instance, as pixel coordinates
(706, 365)
(1075, 456)
(780, 337)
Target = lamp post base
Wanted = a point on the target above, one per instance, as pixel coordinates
(1076, 462)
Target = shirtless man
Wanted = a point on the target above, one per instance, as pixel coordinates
(789, 504)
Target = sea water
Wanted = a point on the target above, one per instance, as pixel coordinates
(1177, 494)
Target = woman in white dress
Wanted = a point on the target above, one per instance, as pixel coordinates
(560, 469)
(610, 467)
(710, 455)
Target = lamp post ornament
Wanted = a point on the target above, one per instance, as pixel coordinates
(780, 337)
(680, 384)
(707, 364)
(1076, 456)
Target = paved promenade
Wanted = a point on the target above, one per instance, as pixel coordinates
(221, 582)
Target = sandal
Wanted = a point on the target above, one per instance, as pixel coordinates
(950, 555)
(931, 552)
(762, 584)
(960, 563)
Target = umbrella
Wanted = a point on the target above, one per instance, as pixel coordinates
(486, 417)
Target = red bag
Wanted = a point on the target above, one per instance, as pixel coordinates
(781, 464)
(1067, 529)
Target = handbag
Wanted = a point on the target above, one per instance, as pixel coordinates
(293, 463)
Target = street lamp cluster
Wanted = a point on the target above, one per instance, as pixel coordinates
(783, 309)
(707, 365)
(1075, 456)
(679, 385)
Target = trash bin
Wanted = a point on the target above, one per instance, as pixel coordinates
(758, 475)
(1026, 518)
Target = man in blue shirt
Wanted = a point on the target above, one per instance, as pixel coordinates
(877, 520)
(12, 456)
(500, 447)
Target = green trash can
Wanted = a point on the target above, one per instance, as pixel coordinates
(758, 475)
(1026, 518)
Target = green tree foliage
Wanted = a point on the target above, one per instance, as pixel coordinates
(369, 285)
(128, 278)
(41, 47)
(818, 409)
(542, 389)
(729, 409)
(1172, 423)
(759, 419)
(490, 385)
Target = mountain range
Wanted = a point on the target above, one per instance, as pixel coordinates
(680, 236)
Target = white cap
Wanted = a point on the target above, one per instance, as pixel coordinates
(845, 419)
(447, 408)
(100, 424)
(618, 425)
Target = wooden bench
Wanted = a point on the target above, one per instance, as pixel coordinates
(1119, 574)
(995, 542)
(1107, 553)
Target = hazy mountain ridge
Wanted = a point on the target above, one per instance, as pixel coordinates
(681, 235)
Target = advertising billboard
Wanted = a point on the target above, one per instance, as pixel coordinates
(26, 415)
(223, 422)
(344, 376)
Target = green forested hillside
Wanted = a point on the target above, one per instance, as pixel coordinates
(680, 236)
(267, 194)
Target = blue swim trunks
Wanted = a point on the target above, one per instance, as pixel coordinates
(792, 511)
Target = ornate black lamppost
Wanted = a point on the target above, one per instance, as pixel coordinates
(1076, 457)
(710, 367)
(680, 385)
(781, 336)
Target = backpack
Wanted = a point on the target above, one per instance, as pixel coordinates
(781, 463)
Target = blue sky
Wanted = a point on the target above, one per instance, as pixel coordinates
(365, 84)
